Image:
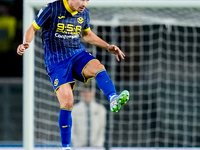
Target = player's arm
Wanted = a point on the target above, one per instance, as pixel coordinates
(28, 37)
(41, 18)
(93, 39)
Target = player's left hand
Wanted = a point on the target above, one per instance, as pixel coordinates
(115, 50)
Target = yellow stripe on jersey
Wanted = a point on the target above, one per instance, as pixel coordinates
(86, 29)
(68, 8)
(35, 25)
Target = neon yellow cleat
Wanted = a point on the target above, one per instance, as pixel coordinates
(117, 101)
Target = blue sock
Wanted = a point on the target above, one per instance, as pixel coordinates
(105, 84)
(65, 124)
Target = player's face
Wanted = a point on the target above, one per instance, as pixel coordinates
(80, 5)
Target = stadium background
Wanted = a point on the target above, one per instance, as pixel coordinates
(165, 114)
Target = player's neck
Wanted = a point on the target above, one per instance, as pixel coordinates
(70, 3)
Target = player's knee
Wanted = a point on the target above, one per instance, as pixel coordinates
(92, 68)
(100, 67)
(65, 100)
(67, 103)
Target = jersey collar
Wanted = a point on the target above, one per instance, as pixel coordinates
(68, 8)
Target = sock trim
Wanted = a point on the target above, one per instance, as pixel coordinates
(65, 108)
(101, 70)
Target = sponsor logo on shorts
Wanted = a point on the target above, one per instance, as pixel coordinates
(56, 82)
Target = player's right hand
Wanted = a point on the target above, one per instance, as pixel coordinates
(21, 48)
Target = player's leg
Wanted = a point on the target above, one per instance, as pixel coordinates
(65, 98)
(95, 69)
(60, 75)
(86, 67)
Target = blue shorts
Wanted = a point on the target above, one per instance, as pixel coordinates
(69, 70)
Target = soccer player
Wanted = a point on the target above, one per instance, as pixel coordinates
(63, 23)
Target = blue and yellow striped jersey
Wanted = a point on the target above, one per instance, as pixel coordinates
(61, 31)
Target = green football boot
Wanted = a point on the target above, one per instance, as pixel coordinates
(118, 100)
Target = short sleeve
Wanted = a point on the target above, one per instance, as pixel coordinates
(42, 16)
(87, 25)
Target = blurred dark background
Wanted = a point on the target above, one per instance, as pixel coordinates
(10, 37)
(10, 72)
